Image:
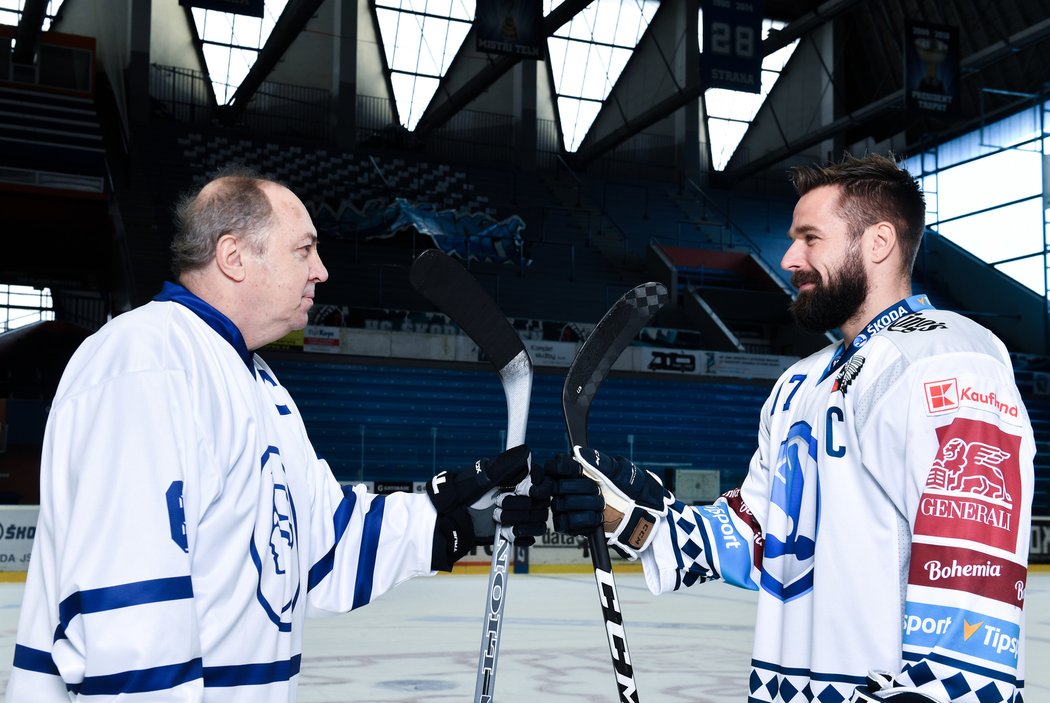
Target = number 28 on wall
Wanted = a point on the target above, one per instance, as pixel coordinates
(730, 40)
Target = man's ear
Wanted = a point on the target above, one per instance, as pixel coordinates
(228, 257)
(882, 241)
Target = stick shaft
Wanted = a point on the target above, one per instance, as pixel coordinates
(592, 364)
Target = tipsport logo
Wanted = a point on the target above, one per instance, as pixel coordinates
(274, 547)
(794, 516)
(927, 627)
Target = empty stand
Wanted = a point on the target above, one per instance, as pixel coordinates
(400, 423)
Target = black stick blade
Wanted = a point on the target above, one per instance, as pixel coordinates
(624, 320)
(456, 293)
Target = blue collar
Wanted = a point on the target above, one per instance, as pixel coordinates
(880, 322)
(175, 293)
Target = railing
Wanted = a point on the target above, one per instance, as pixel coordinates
(735, 230)
(275, 108)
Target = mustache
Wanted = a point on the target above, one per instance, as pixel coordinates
(800, 278)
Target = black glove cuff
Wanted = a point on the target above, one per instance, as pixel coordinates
(453, 537)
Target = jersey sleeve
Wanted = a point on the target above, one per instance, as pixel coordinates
(111, 564)
(723, 541)
(966, 493)
(365, 544)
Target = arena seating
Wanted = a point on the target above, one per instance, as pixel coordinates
(401, 423)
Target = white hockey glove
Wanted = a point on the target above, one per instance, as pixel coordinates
(635, 499)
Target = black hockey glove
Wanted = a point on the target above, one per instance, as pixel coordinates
(625, 500)
(470, 502)
(880, 689)
(576, 502)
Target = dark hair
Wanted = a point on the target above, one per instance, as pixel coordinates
(234, 202)
(874, 188)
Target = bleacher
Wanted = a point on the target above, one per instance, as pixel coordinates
(402, 423)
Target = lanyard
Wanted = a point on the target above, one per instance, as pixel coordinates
(878, 323)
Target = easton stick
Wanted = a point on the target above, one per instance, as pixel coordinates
(599, 352)
(458, 294)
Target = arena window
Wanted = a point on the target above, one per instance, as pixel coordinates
(24, 305)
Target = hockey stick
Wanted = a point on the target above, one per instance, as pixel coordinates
(599, 352)
(458, 294)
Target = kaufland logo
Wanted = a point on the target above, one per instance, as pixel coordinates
(988, 399)
(942, 396)
(945, 396)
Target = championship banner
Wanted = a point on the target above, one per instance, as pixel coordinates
(512, 27)
(931, 67)
(732, 52)
(251, 8)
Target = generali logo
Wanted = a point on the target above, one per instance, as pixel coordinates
(972, 486)
(945, 395)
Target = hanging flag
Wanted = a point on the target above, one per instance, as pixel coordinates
(931, 65)
(732, 51)
(512, 27)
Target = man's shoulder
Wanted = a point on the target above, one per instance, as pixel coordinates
(139, 341)
(932, 332)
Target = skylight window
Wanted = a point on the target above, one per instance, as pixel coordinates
(420, 39)
(11, 12)
(587, 56)
(231, 44)
(729, 112)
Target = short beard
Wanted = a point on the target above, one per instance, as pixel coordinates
(828, 306)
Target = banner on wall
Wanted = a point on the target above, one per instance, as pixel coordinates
(1039, 551)
(931, 66)
(732, 51)
(513, 27)
(17, 530)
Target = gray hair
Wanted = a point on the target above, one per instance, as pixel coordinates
(231, 202)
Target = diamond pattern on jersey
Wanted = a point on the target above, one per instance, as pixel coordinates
(770, 687)
(689, 544)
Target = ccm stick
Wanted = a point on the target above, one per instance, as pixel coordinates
(599, 352)
(458, 294)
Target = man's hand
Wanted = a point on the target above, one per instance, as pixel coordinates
(625, 500)
(504, 490)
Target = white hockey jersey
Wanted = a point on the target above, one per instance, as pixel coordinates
(884, 520)
(187, 526)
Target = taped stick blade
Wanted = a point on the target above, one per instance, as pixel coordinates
(613, 333)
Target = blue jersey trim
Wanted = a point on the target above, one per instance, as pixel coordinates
(173, 292)
(813, 675)
(341, 519)
(97, 600)
(281, 409)
(964, 666)
(366, 562)
(251, 674)
(36, 660)
(158, 678)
